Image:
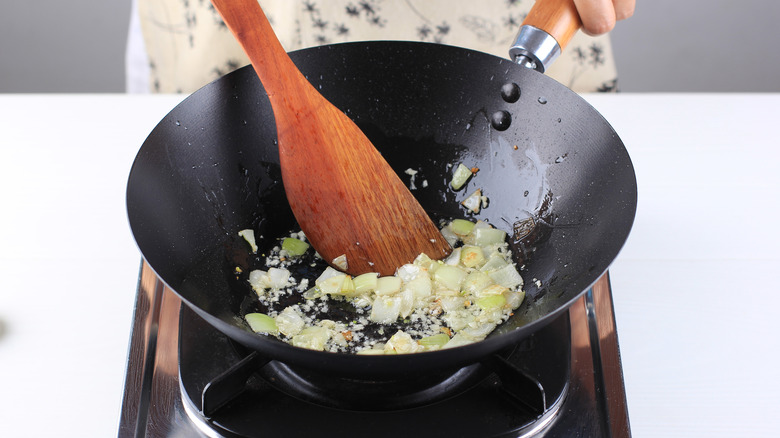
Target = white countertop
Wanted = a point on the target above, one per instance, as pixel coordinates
(694, 289)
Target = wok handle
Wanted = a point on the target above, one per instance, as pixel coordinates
(547, 29)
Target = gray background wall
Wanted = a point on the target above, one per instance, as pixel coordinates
(669, 45)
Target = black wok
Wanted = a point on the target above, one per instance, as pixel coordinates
(558, 178)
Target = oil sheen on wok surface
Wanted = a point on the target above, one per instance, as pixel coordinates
(558, 178)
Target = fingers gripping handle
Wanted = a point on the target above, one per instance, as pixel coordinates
(547, 29)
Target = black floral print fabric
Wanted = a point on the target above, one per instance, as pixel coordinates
(188, 45)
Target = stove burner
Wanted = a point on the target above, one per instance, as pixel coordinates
(517, 393)
(505, 392)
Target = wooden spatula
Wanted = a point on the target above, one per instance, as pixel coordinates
(353, 208)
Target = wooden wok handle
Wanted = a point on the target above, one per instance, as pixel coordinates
(559, 18)
(547, 29)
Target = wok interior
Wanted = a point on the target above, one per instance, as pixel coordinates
(558, 180)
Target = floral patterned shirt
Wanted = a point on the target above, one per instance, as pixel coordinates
(188, 45)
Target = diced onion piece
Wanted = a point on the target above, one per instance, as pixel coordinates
(249, 236)
(332, 285)
(491, 302)
(294, 247)
(493, 289)
(514, 299)
(459, 319)
(472, 256)
(407, 303)
(461, 227)
(437, 340)
(365, 283)
(388, 285)
(401, 342)
(408, 272)
(477, 332)
(423, 261)
(277, 277)
(457, 341)
(261, 323)
(450, 277)
(259, 280)
(495, 262)
(454, 258)
(475, 282)
(460, 176)
(421, 286)
(485, 237)
(340, 262)
(348, 286)
(449, 236)
(313, 338)
(474, 201)
(507, 277)
(449, 304)
(385, 309)
(327, 273)
(290, 322)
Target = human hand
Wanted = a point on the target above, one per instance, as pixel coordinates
(599, 16)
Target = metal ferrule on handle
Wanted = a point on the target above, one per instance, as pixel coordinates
(534, 48)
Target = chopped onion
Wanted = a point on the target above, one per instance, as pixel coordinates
(340, 262)
(474, 201)
(261, 323)
(472, 256)
(495, 262)
(507, 277)
(450, 277)
(457, 341)
(365, 283)
(485, 237)
(408, 272)
(388, 285)
(294, 247)
(514, 299)
(332, 285)
(401, 342)
(467, 294)
(385, 310)
(249, 236)
(290, 322)
(259, 280)
(461, 227)
(437, 340)
(491, 302)
(277, 278)
(407, 303)
(454, 258)
(475, 282)
(421, 286)
(313, 338)
(461, 175)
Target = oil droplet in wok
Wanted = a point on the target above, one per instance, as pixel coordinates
(510, 92)
(501, 120)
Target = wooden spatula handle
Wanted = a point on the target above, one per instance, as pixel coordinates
(248, 23)
(559, 18)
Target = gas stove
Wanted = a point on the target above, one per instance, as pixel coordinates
(185, 378)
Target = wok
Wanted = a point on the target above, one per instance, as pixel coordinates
(557, 176)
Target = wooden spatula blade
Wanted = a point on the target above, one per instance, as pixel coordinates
(349, 202)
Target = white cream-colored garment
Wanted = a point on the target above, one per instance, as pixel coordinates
(188, 45)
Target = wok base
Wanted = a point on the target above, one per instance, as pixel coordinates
(564, 380)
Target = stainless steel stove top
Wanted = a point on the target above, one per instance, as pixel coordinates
(157, 403)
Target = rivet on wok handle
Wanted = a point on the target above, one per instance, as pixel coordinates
(547, 29)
